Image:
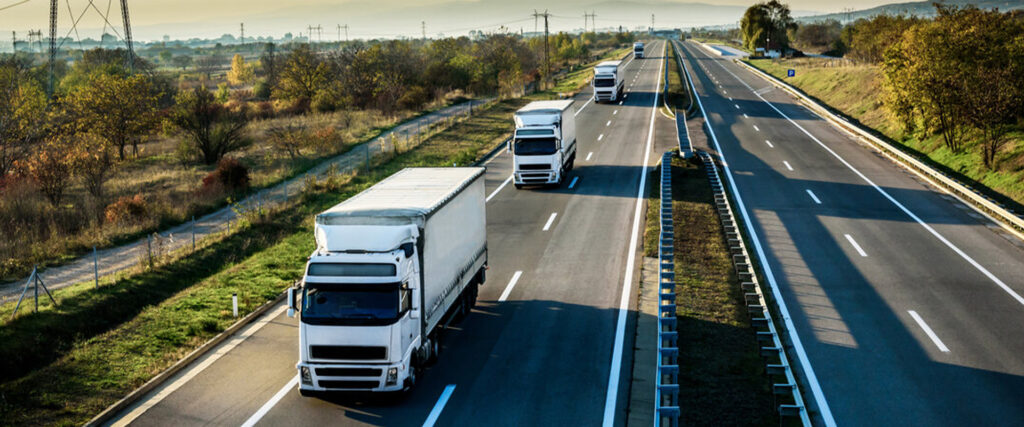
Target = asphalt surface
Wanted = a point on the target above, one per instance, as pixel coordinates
(543, 356)
(906, 304)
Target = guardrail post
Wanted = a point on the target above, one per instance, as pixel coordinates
(95, 269)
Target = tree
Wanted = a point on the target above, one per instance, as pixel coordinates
(206, 65)
(92, 160)
(240, 73)
(820, 37)
(22, 109)
(50, 166)
(271, 64)
(166, 56)
(213, 129)
(302, 75)
(121, 110)
(868, 39)
(765, 25)
(182, 61)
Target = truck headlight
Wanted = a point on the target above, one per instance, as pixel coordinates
(307, 378)
(392, 376)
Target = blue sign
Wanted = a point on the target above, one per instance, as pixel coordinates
(791, 73)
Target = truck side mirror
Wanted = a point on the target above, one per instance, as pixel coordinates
(291, 302)
(508, 146)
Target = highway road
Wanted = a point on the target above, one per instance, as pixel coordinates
(550, 340)
(906, 304)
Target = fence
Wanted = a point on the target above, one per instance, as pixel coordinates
(186, 238)
(786, 394)
(666, 394)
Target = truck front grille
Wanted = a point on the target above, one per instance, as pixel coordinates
(348, 372)
(349, 384)
(347, 352)
(536, 166)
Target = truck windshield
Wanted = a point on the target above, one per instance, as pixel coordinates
(604, 82)
(536, 147)
(350, 304)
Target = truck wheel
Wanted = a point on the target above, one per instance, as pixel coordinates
(572, 163)
(435, 348)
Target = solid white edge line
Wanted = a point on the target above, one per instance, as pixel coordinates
(849, 238)
(255, 418)
(439, 406)
(811, 193)
(496, 190)
(573, 183)
(588, 156)
(927, 330)
(798, 347)
(620, 325)
(787, 165)
(511, 284)
(1013, 294)
(196, 370)
(551, 219)
(584, 106)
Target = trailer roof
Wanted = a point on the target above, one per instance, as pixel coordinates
(609, 64)
(408, 193)
(544, 106)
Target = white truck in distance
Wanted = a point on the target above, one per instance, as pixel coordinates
(608, 81)
(638, 50)
(391, 264)
(543, 146)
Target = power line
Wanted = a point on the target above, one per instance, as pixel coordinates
(15, 4)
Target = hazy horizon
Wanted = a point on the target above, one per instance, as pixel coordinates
(184, 19)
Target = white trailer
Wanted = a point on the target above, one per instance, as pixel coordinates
(544, 143)
(609, 82)
(392, 265)
(638, 50)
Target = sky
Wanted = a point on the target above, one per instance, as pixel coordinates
(182, 19)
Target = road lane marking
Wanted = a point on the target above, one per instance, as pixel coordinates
(191, 373)
(931, 334)
(573, 183)
(615, 112)
(730, 98)
(511, 284)
(551, 219)
(757, 128)
(811, 193)
(255, 418)
(584, 106)
(620, 102)
(496, 190)
(608, 124)
(787, 165)
(745, 116)
(737, 106)
(624, 97)
(798, 347)
(600, 137)
(769, 143)
(439, 406)
(998, 282)
(589, 154)
(612, 391)
(855, 245)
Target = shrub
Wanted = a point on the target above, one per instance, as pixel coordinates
(231, 175)
(324, 102)
(414, 98)
(262, 90)
(127, 210)
(289, 139)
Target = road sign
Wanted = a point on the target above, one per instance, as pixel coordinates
(791, 73)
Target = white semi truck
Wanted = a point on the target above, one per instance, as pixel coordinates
(392, 266)
(608, 81)
(638, 50)
(544, 143)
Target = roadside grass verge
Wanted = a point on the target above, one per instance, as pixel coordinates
(97, 365)
(856, 92)
(722, 377)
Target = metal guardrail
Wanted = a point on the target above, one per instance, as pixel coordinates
(666, 394)
(771, 349)
(1009, 219)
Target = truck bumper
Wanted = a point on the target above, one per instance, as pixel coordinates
(604, 96)
(324, 377)
(535, 177)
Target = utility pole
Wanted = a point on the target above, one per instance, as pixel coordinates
(53, 46)
(652, 23)
(423, 25)
(593, 23)
(128, 36)
(535, 15)
(547, 62)
(242, 30)
(14, 42)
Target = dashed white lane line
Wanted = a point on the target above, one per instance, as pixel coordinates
(439, 406)
(496, 190)
(511, 284)
(787, 165)
(769, 143)
(620, 102)
(573, 183)
(600, 137)
(931, 334)
(255, 418)
(730, 98)
(551, 220)
(608, 124)
(855, 245)
(589, 154)
(815, 198)
(615, 112)
(737, 106)
(745, 116)
(757, 128)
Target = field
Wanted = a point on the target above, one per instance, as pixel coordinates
(856, 91)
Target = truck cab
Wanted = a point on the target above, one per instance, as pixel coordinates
(544, 143)
(608, 82)
(638, 50)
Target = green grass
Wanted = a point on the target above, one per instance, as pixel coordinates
(722, 376)
(856, 91)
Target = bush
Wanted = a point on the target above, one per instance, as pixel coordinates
(230, 175)
(262, 90)
(324, 102)
(127, 210)
(414, 98)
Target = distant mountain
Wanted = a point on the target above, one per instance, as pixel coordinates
(924, 9)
